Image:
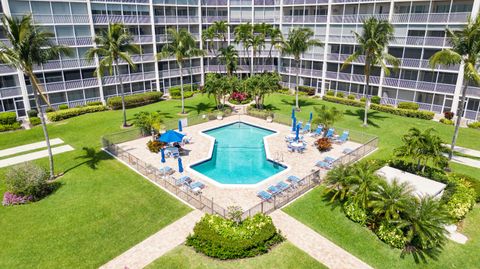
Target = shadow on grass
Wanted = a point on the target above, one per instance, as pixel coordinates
(270, 107)
(200, 107)
(91, 158)
(301, 102)
(372, 115)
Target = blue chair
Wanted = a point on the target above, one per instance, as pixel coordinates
(329, 159)
(318, 131)
(347, 151)
(274, 190)
(330, 133)
(342, 139)
(167, 170)
(183, 180)
(307, 127)
(295, 180)
(196, 184)
(324, 165)
(282, 186)
(265, 196)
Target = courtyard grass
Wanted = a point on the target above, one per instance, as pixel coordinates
(283, 256)
(319, 215)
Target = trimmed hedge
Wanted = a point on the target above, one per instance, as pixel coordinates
(8, 118)
(446, 121)
(73, 112)
(375, 99)
(408, 105)
(10, 127)
(94, 103)
(35, 121)
(474, 125)
(188, 91)
(306, 89)
(63, 107)
(344, 101)
(135, 100)
(419, 114)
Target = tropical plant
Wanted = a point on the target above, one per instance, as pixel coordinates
(112, 45)
(389, 200)
(27, 179)
(182, 46)
(465, 51)
(243, 33)
(363, 182)
(337, 183)
(298, 42)
(29, 46)
(327, 116)
(260, 85)
(372, 44)
(148, 122)
(323, 144)
(229, 57)
(217, 30)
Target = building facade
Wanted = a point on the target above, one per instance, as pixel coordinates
(419, 33)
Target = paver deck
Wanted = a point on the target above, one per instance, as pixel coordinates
(156, 245)
(314, 244)
(33, 156)
(28, 147)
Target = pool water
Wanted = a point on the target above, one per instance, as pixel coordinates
(238, 156)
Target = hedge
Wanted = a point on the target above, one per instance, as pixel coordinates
(8, 118)
(135, 100)
(10, 127)
(73, 112)
(408, 105)
(426, 115)
(343, 101)
(474, 125)
(375, 99)
(306, 89)
(94, 103)
(34, 121)
(188, 91)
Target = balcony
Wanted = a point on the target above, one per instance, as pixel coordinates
(65, 64)
(419, 85)
(142, 39)
(67, 85)
(6, 69)
(303, 71)
(10, 92)
(460, 17)
(59, 19)
(212, 19)
(148, 57)
(430, 41)
(301, 2)
(162, 38)
(473, 91)
(175, 19)
(127, 19)
(111, 80)
(356, 18)
(214, 2)
(301, 19)
(73, 41)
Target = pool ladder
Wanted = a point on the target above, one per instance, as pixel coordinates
(278, 157)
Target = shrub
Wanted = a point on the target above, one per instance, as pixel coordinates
(73, 112)
(348, 102)
(10, 127)
(135, 100)
(240, 98)
(307, 90)
(302, 94)
(340, 95)
(426, 115)
(446, 121)
(94, 103)
(473, 183)
(35, 121)
(351, 97)
(408, 105)
(448, 115)
(330, 93)
(188, 91)
(323, 144)
(12, 199)
(363, 99)
(474, 125)
(354, 212)
(8, 118)
(259, 113)
(32, 113)
(49, 109)
(27, 179)
(391, 235)
(459, 198)
(155, 146)
(63, 107)
(225, 239)
(375, 99)
(285, 91)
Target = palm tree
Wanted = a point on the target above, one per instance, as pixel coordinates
(257, 43)
(466, 52)
(298, 42)
(338, 182)
(29, 46)
(113, 45)
(372, 44)
(213, 87)
(229, 57)
(148, 122)
(364, 182)
(182, 46)
(390, 199)
(218, 30)
(272, 33)
(243, 33)
(327, 116)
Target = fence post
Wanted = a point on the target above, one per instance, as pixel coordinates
(261, 206)
(212, 205)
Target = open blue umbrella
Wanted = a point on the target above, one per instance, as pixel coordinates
(162, 151)
(180, 126)
(293, 112)
(297, 132)
(180, 165)
(294, 123)
(311, 117)
(171, 136)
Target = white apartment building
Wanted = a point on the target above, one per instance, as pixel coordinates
(419, 33)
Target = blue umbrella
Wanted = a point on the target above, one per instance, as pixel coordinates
(297, 132)
(180, 126)
(180, 165)
(162, 151)
(171, 136)
(294, 123)
(293, 112)
(311, 117)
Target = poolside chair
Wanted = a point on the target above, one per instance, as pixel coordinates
(330, 133)
(274, 190)
(307, 127)
(329, 159)
(265, 196)
(167, 170)
(347, 151)
(342, 139)
(187, 140)
(318, 131)
(183, 181)
(324, 165)
(295, 180)
(196, 184)
(282, 186)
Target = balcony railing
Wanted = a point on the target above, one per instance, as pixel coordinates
(58, 19)
(303, 71)
(66, 85)
(211, 19)
(356, 18)
(127, 19)
(460, 17)
(73, 41)
(421, 41)
(301, 19)
(175, 19)
(141, 39)
(10, 92)
(109, 80)
(419, 85)
(6, 69)
(65, 64)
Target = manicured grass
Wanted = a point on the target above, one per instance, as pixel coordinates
(284, 256)
(330, 222)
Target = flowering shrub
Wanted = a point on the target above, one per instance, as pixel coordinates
(460, 199)
(12, 199)
(391, 235)
(323, 144)
(222, 238)
(239, 98)
(448, 115)
(155, 146)
(446, 121)
(355, 213)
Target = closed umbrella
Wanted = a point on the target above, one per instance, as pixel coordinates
(180, 126)
(293, 112)
(311, 117)
(162, 152)
(297, 132)
(171, 136)
(180, 165)
(294, 124)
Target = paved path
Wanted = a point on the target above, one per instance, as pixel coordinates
(467, 151)
(314, 244)
(28, 147)
(156, 245)
(33, 156)
(466, 161)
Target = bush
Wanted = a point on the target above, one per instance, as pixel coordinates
(391, 235)
(330, 93)
(459, 198)
(73, 112)
(285, 91)
(94, 103)
(354, 212)
(323, 144)
(474, 125)
(340, 95)
(49, 109)
(27, 179)
(135, 100)
(408, 105)
(32, 113)
(188, 91)
(63, 107)
(363, 99)
(351, 97)
(473, 183)
(155, 146)
(8, 118)
(239, 98)
(419, 114)
(448, 115)
(10, 127)
(259, 113)
(34, 121)
(308, 90)
(446, 121)
(348, 102)
(375, 99)
(226, 239)
(12, 199)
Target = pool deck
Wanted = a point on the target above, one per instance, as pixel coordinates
(298, 164)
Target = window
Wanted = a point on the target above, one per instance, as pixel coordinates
(61, 8)
(41, 8)
(79, 9)
(409, 74)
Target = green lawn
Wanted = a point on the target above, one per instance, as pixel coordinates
(330, 222)
(284, 256)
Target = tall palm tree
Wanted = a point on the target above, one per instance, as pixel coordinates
(298, 42)
(243, 33)
(30, 46)
(220, 29)
(229, 57)
(112, 45)
(466, 52)
(327, 116)
(257, 43)
(182, 46)
(390, 199)
(372, 43)
(364, 182)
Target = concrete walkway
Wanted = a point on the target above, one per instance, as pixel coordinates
(156, 245)
(28, 147)
(33, 156)
(466, 161)
(467, 151)
(314, 244)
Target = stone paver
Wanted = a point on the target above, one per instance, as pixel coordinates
(156, 245)
(28, 147)
(33, 156)
(314, 244)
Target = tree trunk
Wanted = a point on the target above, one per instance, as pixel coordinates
(365, 93)
(122, 93)
(36, 92)
(296, 84)
(252, 60)
(460, 110)
(181, 87)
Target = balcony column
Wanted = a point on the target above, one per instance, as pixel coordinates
(92, 30)
(382, 73)
(200, 38)
(323, 90)
(476, 8)
(279, 58)
(458, 89)
(152, 18)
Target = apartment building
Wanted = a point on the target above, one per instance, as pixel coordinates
(419, 33)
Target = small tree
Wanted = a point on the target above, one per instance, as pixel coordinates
(327, 116)
(338, 183)
(229, 57)
(363, 182)
(148, 122)
(389, 200)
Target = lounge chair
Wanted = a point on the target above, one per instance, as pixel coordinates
(282, 186)
(329, 159)
(324, 165)
(294, 180)
(183, 180)
(330, 133)
(342, 139)
(274, 190)
(318, 131)
(347, 151)
(265, 196)
(167, 170)
(307, 127)
(196, 184)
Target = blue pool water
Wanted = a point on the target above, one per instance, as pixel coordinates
(238, 155)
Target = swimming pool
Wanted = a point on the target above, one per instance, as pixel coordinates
(238, 155)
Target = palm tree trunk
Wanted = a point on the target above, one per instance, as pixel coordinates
(122, 93)
(296, 84)
(36, 91)
(365, 93)
(252, 60)
(460, 110)
(181, 86)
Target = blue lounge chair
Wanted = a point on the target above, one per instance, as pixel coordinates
(343, 138)
(183, 180)
(347, 151)
(318, 131)
(329, 159)
(282, 186)
(274, 190)
(307, 127)
(324, 165)
(264, 195)
(330, 133)
(166, 170)
(196, 184)
(293, 179)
